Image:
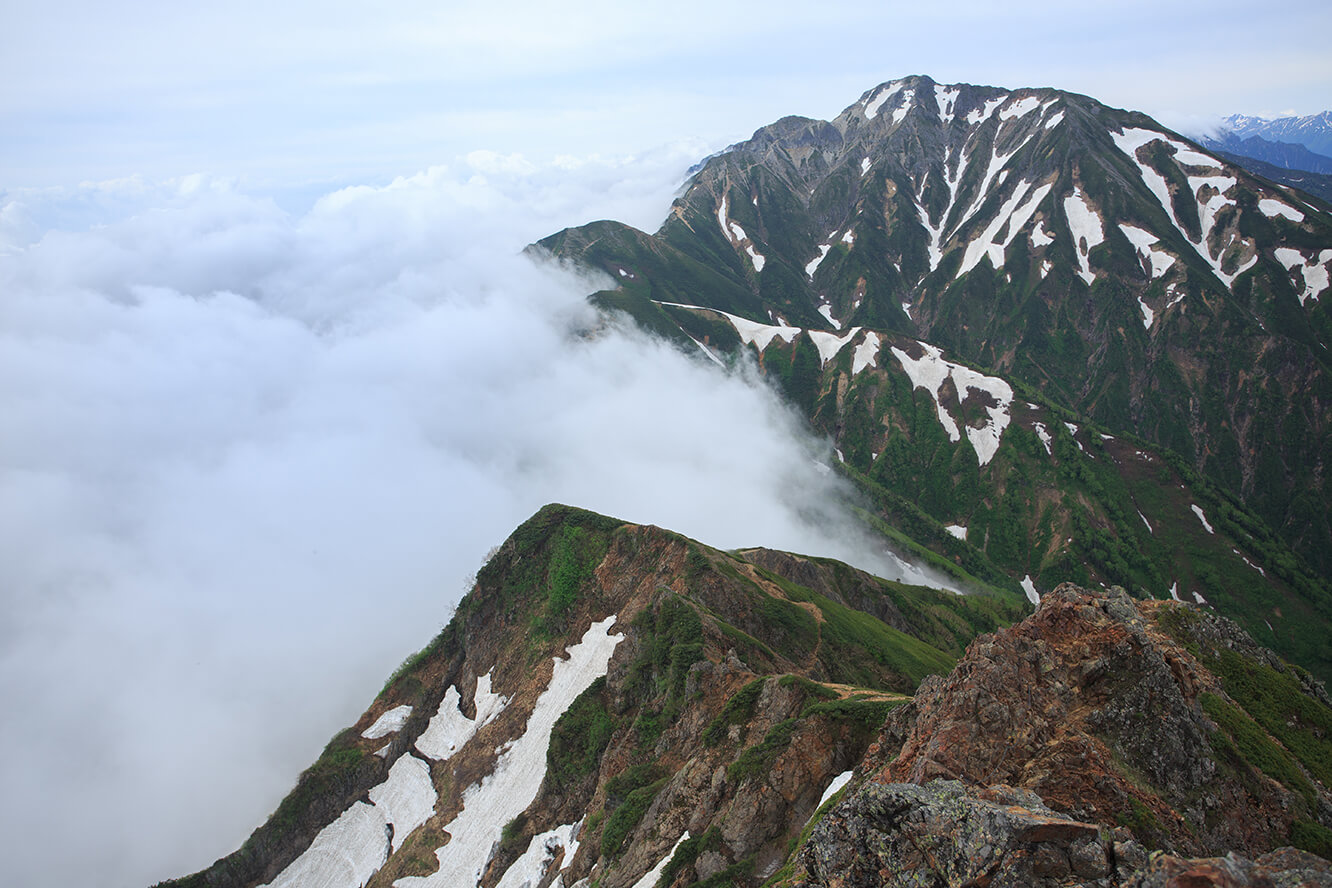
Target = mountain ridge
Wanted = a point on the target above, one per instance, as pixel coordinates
(1077, 252)
(686, 749)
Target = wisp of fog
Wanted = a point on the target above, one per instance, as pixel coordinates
(251, 456)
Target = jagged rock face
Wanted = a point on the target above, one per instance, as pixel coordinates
(943, 834)
(1091, 706)
(1084, 252)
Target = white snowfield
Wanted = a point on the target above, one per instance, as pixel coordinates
(864, 166)
(1020, 108)
(1273, 208)
(1147, 314)
(1159, 260)
(650, 878)
(946, 98)
(529, 869)
(1203, 518)
(1314, 271)
(514, 783)
(929, 372)
(1038, 236)
(1130, 139)
(829, 344)
(1148, 523)
(351, 849)
(980, 115)
(1085, 225)
(813, 265)
(883, 95)
(908, 97)
(1030, 588)
(838, 782)
(866, 354)
(1055, 120)
(957, 530)
(389, 723)
(1011, 218)
(826, 310)
(1044, 435)
(736, 235)
(449, 729)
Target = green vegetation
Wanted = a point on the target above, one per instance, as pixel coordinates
(687, 853)
(672, 641)
(628, 798)
(1252, 744)
(737, 711)
(758, 759)
(580, 736)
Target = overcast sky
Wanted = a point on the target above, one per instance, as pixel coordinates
(273, 375)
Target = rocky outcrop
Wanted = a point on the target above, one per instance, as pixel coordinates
(1091, 706)
(945, 834)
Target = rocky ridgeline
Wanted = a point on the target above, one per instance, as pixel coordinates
(744, 719)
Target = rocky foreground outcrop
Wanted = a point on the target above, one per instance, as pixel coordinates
(1091, 745)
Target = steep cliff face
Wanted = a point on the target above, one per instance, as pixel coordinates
(617, 705)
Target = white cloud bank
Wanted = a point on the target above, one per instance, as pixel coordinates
(248, 459)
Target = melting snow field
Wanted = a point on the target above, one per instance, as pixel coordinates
(1142, 241)
(929, 372)
(1273, 208)
(449, 729)
(829, 344)
(957, 530)
(1085, 225)
(351, 849)
(813, 265)
(518, 773)
(1130, 139)
(866, 353)
(838, 782)
(529, 869)
(1044, 435)
(389, 723)
(1030, 588)
(1203, 518)
(650, 878)
(1314, 271)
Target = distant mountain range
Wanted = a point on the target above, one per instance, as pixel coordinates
(1313, 132)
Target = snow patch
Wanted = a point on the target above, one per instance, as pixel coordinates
(351, 849)
(449, 729)
(901, 112)
(1142, 241)
(946, 99)
(826, 310)
(1039, 238)
(530, 868)
(829, 344)
(652, 876)
(1203, 518)
(1147, 313)
(1012, 216)
(929, 372)
(1314, 271)
(755, 256)
(1199, 599)
(849, 237)
(1020, 108)
(1055, 120)
(838, 782)
(980, 115)
(864, 166)
(1085, 225)
(957, 530)
(866, 354)
(1273, 208)
(389, 723)
(1030, 588)
(1174, 590)
(1044, 436)
(1046, 266)
(906, 310)
(1145, 521)
(873, 105)
(407, 798)
(518, 773)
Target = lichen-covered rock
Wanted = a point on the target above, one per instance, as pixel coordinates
(903, 835)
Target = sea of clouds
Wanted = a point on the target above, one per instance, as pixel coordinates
(251, 456)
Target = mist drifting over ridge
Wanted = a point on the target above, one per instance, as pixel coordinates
(251, 457)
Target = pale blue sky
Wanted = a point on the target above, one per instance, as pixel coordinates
(280, 95)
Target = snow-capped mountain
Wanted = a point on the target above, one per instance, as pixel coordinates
(1091, 259)
(1313, 131)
